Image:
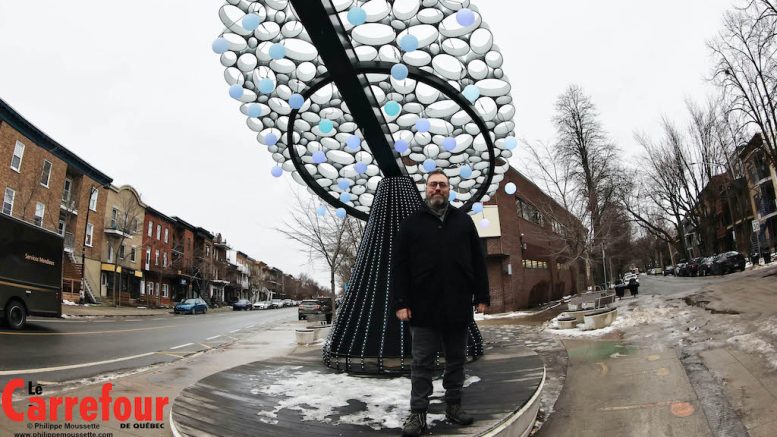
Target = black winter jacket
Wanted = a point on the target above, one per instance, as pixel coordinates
(438, 269)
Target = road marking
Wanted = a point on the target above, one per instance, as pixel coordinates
(643, 406)
(170, 355)
(249, 326)
(205, 345)
(214, 337)
(72, 366)
(181, 345)
(232, 332)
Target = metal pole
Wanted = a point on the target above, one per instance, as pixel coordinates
(81, 294)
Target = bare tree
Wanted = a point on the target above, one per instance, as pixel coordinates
(122, 224)
(589, 158)
(745, 68)
(324, 238)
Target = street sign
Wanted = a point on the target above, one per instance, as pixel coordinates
(756, 225)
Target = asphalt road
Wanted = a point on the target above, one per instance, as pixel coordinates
(665, 285)
(58, 350)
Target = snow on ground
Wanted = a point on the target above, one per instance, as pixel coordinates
(67, 302)
(320, 396)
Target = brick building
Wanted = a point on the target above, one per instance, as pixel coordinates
(528, 259)
(183, 259)
(762, 183)
(157, 259)
(46, 184)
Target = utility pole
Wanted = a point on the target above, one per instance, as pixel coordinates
(81, 294)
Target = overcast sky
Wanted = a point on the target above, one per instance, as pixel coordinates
(134, 89)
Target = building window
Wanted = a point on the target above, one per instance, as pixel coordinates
(61, 227)
(158, 232)
(89, 235)
(148, 257)
(45, 175)
(156, 257)
(132, 254)
(166, 234)
(207, 250)
(18, 154)
(8, 201)
(157, 288)
(150, 228)
(110, 253)
(164, 260)
(67, 190)
(114, 217)
(150, 288)
(121, 252)
(93, 200)
(40, 210)
(165, 291)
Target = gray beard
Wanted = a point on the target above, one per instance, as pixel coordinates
(437, 203)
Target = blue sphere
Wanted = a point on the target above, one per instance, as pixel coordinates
(254, 110)
(477, 207)
(340, 213)
(465, 171)
(325, 126)
(356, 16)
(353, 142)
(471, 93)
(251, 21)
(452, 196)
(449, 143)
(399, 72)
(236, 91)
(321, 211)
(277, 51)
(401, 146)
(392, 108)
(276, 171)
(408, 43)
(220, 45)
(510, 143)
(510, 188)
(345, 197)
(360, 167)
(422, 125)
(319, 157)
(465, 17)
(266, 85)
(343, 184)
(429, 165)
(270, 139)
(296, 101)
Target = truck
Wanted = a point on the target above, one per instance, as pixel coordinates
(31, 266)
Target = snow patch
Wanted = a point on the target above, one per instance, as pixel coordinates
(318, 396)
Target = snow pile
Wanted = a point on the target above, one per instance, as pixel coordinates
(67, 302)
(319, 396)
(761, 341)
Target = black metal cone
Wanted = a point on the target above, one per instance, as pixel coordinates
(366, 336)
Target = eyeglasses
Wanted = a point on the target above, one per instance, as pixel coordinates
(437, 184)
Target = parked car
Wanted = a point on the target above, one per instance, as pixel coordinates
(276, 303)
(261, 305)
(191, 306)
(242, 305)
(693, 266)
(728, 262)
(668, 270)
(315, 307)
(705, 266)
(288, 303)
(629, 276)
(681, 269)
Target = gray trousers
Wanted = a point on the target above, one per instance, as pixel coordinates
(426, 344)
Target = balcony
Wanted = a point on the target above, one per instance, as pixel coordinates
(68, 206)
(766, 207)
(114, 230)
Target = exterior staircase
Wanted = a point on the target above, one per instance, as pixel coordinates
(72, 280)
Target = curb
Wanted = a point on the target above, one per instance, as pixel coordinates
(507, 427)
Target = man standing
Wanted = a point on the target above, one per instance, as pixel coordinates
(439, 273)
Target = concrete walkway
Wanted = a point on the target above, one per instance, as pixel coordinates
(616, 390)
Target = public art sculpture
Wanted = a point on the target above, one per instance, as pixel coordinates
(358, 100)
